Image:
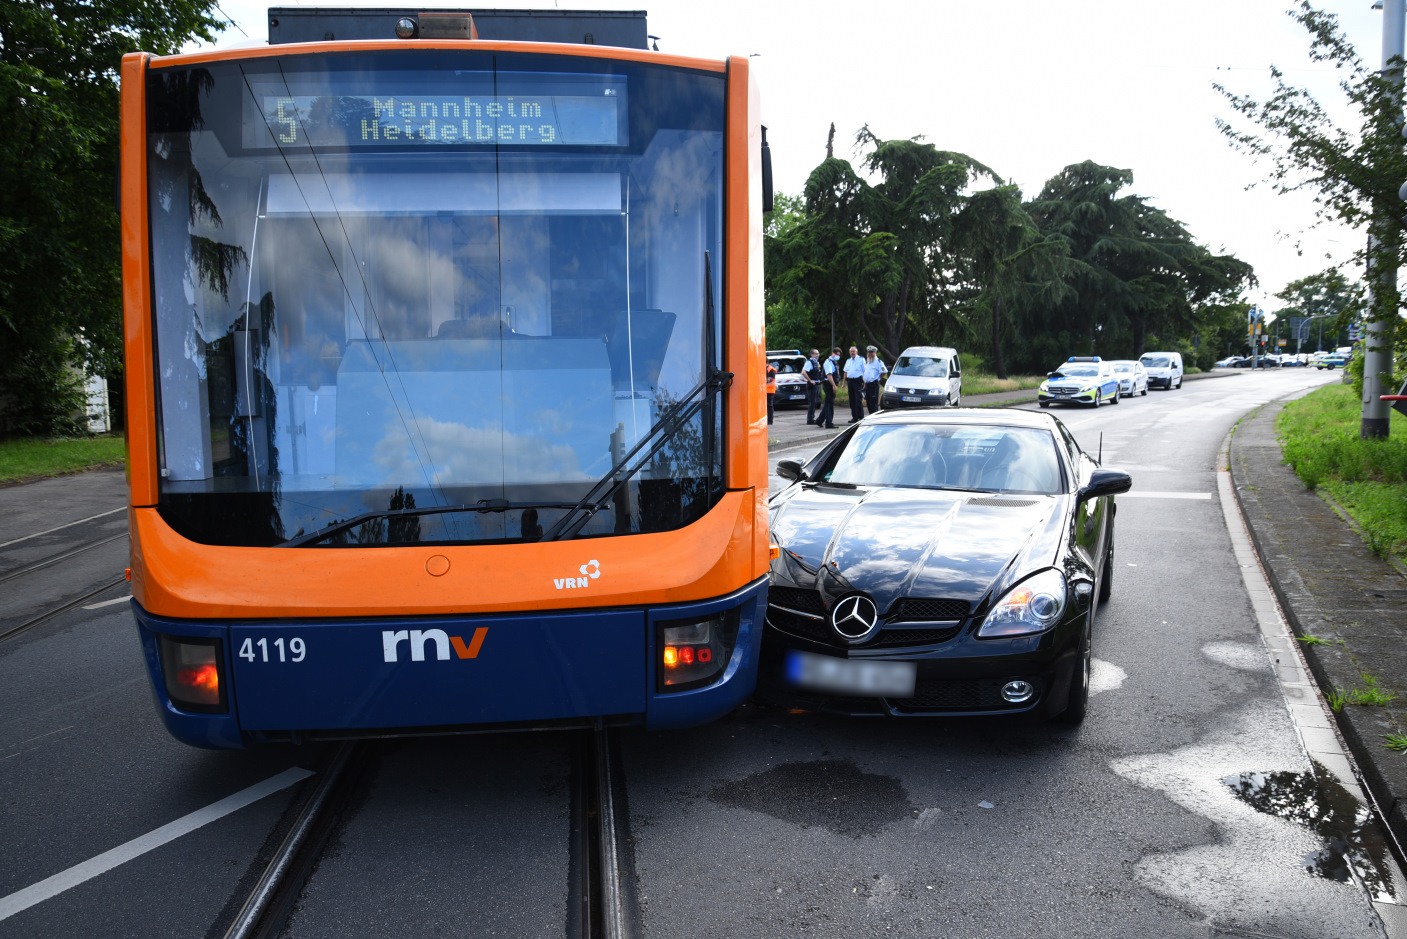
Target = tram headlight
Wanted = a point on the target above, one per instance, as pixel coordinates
(194, 673)
(694, 652)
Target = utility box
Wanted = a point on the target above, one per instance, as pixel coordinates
(621, 28)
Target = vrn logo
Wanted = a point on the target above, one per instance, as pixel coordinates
(390, 641)
(589, 572)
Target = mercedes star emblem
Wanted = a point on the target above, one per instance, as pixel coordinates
(855, 618)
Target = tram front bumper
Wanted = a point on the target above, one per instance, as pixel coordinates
(311, 679)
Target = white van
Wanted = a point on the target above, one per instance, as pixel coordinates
(1164, 369)
(924, 376)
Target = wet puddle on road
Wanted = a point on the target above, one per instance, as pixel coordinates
(832, 794)
(1353, 840)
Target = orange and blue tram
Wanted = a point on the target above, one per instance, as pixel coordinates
(431, 352)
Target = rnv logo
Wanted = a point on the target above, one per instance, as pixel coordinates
(418, 638)
(589, 572)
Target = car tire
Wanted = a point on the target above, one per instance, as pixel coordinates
(1098, 399)
(1145, 391)
(1077, 705)
(1044, 404)
(1117, 396)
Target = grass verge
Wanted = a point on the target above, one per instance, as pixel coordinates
(32, 457)
(976, 383)
(1319, 437)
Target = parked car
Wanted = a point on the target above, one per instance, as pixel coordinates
(924, 376)
(940, 563)
(1164, 369)
(1332, 360)
(1133, 377)
(1231, 361)
(1083, 379)
(791, 382)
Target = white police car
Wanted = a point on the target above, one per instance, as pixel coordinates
(1083, 379)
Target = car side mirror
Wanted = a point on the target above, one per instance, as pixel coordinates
(790, 469)
(1051, 374)
(1104, 482)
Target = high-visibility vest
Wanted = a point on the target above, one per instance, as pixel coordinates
(771, 379)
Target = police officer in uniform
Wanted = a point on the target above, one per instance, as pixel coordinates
(771, 390)
(812, 371)
(873, 376)
(830, 369)
(855, 384)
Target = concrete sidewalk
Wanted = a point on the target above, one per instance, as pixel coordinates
(1337, 593)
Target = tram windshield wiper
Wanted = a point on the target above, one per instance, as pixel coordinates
(483, 505)
(677, 416)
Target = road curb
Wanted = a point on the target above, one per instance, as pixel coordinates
(1270, 496)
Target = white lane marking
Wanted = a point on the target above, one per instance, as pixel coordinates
(1146, 494)
(99, 606)
(62, 527)
(52, 886)
(1105, 676)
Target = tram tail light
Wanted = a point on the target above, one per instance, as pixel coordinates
(194, 673)
(694, 652)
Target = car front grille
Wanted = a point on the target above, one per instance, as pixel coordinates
(797, 598)
(917, 608)
(896, 638)
(983, 694)
(804, 626)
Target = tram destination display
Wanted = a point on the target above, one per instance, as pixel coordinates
(570, 113)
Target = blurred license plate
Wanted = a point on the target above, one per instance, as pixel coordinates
(910, 398)
(798, 396)
(845, 676)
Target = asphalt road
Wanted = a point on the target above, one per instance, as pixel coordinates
(767, 822)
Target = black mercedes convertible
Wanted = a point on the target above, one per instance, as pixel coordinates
(941, 563)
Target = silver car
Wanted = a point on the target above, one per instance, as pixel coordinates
(1133, 377)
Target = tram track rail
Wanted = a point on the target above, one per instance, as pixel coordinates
(13, 578)
(599, 900)
(52, 559)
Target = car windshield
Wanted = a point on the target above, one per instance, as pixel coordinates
(949, 456)
(789, 366)
(1156, 361)
(1079, 371)
(386, 281)
(921, 366)
(1124, 368)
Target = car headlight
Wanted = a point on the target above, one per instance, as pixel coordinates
(1032, 606)
(1045, 386)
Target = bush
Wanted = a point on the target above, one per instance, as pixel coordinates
(1319, 436)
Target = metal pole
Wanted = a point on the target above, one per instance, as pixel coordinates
(1382, 317)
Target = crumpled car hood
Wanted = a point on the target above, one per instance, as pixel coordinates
(902, 542)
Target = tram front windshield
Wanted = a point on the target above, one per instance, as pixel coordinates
(386, 282)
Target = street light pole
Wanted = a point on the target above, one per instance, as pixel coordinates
(1382, 261)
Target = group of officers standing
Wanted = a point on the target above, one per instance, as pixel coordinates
(863, 378)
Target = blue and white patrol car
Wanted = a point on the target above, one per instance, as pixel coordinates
(1083, 379)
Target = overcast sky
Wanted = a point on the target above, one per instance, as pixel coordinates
(1025, 87)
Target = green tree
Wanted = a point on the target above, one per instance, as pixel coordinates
(1013, 266)
(877, 259)
(60, 264)
(1352, 173)
(1134, 271)
(1328, 295)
